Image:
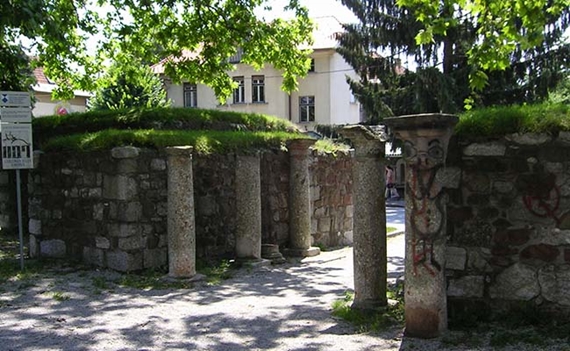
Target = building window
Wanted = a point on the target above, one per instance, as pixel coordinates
(312, 68)
(190, 95)
(306, 109)
(258, 89)
(239, 92)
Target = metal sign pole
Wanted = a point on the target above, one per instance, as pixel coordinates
(20, 230)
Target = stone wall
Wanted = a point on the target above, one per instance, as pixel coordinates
(106, 208)
(509, 222)
(331, 198)
(109, 208)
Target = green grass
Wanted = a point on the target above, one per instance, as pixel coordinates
(215, 272)
(59, 296)
(390, 229)
(330, 146)
(366, 321)
(498, 121)
(204, 142)
(157, 118)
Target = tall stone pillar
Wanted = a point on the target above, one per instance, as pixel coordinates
(248, 203)
(426, 138)
(299, 200)
(181, 220)
(369, 219)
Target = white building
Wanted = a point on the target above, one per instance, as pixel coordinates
(323, 97)
(44, 105)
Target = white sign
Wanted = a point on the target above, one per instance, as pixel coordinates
(14, 98)
(17, 146)
(16, 115)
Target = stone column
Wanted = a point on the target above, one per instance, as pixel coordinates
(248, 203)
(425, 145)
(299, 200)
(369, 219)
(181, 220)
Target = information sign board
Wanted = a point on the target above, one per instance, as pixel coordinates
(15, 98)
(17, 146)
(15, 115)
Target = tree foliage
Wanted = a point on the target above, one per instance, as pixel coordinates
(502, 27)
(444, 70)
(153, 30)
(129, 84)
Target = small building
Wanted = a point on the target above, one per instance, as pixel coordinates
(323, 97)
(45, 105)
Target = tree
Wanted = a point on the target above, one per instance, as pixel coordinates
(503, 28)
(129, 84)
(152, 30)
(375, 47)
(443, 80)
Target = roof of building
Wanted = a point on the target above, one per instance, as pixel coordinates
(45, 85)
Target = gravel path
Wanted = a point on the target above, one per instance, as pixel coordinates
(284, 307)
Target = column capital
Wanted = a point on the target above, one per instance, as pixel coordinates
(185, 150)
(367, 140)
(425, 137)
(300, 147)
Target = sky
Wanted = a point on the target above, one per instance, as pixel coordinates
(317, 8)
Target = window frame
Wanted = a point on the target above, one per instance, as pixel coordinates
(306, 109)
(239, 92)
(192, 90)
(258, 89)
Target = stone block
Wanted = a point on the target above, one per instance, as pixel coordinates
(52, 248)
(555, 283)
(102, 243)
(124, 262)
(320, 212)
(529, 138)
(130, 212)
(34, 246)
(130, 243)
(542, 252)
(98, 211)
(517, 282)
(93, 256)
(564, 137)
(127, 166)
(35, 226)
(485, 149)
(119, 187)
(157, 164)
(154, 258)
(449, 177)
(477, 260)
(315, 193)
(122, 152)
(467, 286)
(123, 230)
(324, 224)
(349, 211)
(552, 236)
(455, 258)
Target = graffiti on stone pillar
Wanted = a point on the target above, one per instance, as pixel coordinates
(425, 196)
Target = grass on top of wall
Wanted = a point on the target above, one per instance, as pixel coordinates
(204, 142)
(157, 118)
(497, 121)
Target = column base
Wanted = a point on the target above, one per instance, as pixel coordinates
(423, 323)
(271, 252)
(310, 252)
